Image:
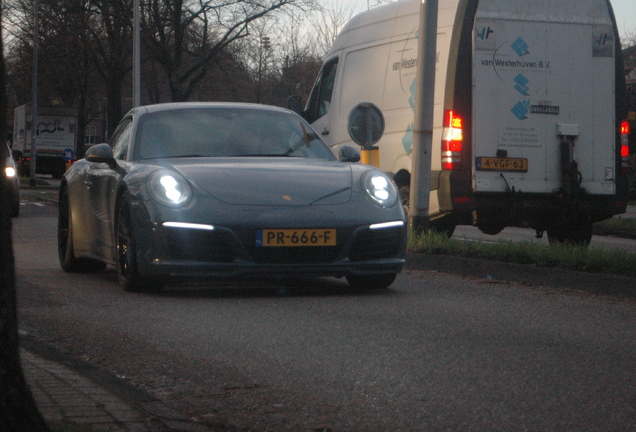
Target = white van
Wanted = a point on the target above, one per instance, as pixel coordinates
(529, 102)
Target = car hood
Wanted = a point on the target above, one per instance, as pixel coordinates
(271, 181)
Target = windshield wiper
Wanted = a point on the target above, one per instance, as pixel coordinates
(300, 143)
(262, 155)
(185, 156)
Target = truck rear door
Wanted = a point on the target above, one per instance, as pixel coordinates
(542, 71)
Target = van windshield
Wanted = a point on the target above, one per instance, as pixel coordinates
(320, 98)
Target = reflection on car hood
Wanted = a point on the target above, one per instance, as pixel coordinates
(270, 181)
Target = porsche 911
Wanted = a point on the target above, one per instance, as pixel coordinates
(227, 190)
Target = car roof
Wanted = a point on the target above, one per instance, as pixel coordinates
(189, 105)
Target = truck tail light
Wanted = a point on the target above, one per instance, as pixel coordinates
(624, 146)
(452, 141)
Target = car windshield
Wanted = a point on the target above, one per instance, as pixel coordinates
(226, 132)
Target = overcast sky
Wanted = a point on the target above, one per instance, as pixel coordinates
(625, 11)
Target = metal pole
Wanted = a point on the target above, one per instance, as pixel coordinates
(34, 93)
(424, 110)
(136, 56)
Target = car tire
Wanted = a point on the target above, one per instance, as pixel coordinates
(68, 261)
(127, 271)
(371, 282)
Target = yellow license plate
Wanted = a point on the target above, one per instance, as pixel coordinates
(296, 237)
(501, 164)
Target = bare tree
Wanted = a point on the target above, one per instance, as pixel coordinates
(185, 36)
(67, 74)
(111, 30)
(296, 53)
(375, 3)
(327, 23)
(257, 53)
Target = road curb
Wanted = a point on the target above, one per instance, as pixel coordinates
(79, 378)
(532, 275)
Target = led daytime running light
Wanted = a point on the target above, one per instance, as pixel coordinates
(189, 226)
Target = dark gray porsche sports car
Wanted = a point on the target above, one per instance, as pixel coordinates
(220, 189)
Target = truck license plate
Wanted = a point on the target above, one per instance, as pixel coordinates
(501, 164)
(296, 237)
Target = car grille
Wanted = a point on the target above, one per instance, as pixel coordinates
(196, 245)
(211, 246)
(377, 244)
(294, 255)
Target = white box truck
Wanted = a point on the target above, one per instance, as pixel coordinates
(56, 135)
(530, 100)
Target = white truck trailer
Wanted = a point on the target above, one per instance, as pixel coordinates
(530, 109)
(56, 137)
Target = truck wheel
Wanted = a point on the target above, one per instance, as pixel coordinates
(577, 233)
(444, 225)
(490, 229)
(405, 195)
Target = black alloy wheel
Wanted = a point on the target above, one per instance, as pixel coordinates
(127, 271)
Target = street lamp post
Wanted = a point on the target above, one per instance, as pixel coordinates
(136, 56)
(424, 110)
(34, 94)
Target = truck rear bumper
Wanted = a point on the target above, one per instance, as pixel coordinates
(538, 211)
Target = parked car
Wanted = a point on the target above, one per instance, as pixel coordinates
(226, 189)
(11, 172)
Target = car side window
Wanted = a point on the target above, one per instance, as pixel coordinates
(121, 139)
(320, 98)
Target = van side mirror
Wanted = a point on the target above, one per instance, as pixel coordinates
(294, 103)
(348, 154)
(101, 153)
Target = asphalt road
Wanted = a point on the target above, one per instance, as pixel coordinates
(436, 352)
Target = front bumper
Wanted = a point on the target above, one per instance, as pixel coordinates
(230, 249)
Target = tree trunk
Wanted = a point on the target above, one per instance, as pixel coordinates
(18, 412)
(114, 110)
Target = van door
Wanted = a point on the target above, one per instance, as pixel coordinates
(317, 111)
(543, 72)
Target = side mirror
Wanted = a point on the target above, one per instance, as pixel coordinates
(16, 154)
(294, 103)
(101, 153)
(348, 154)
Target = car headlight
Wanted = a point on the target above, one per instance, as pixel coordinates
(379, 188)
(10, 172)
(169, 188)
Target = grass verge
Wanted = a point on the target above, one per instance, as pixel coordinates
(617, 262)
(617, 226)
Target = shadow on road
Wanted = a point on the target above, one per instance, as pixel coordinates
(216, 287)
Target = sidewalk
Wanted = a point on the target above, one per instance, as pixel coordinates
(69, 401)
